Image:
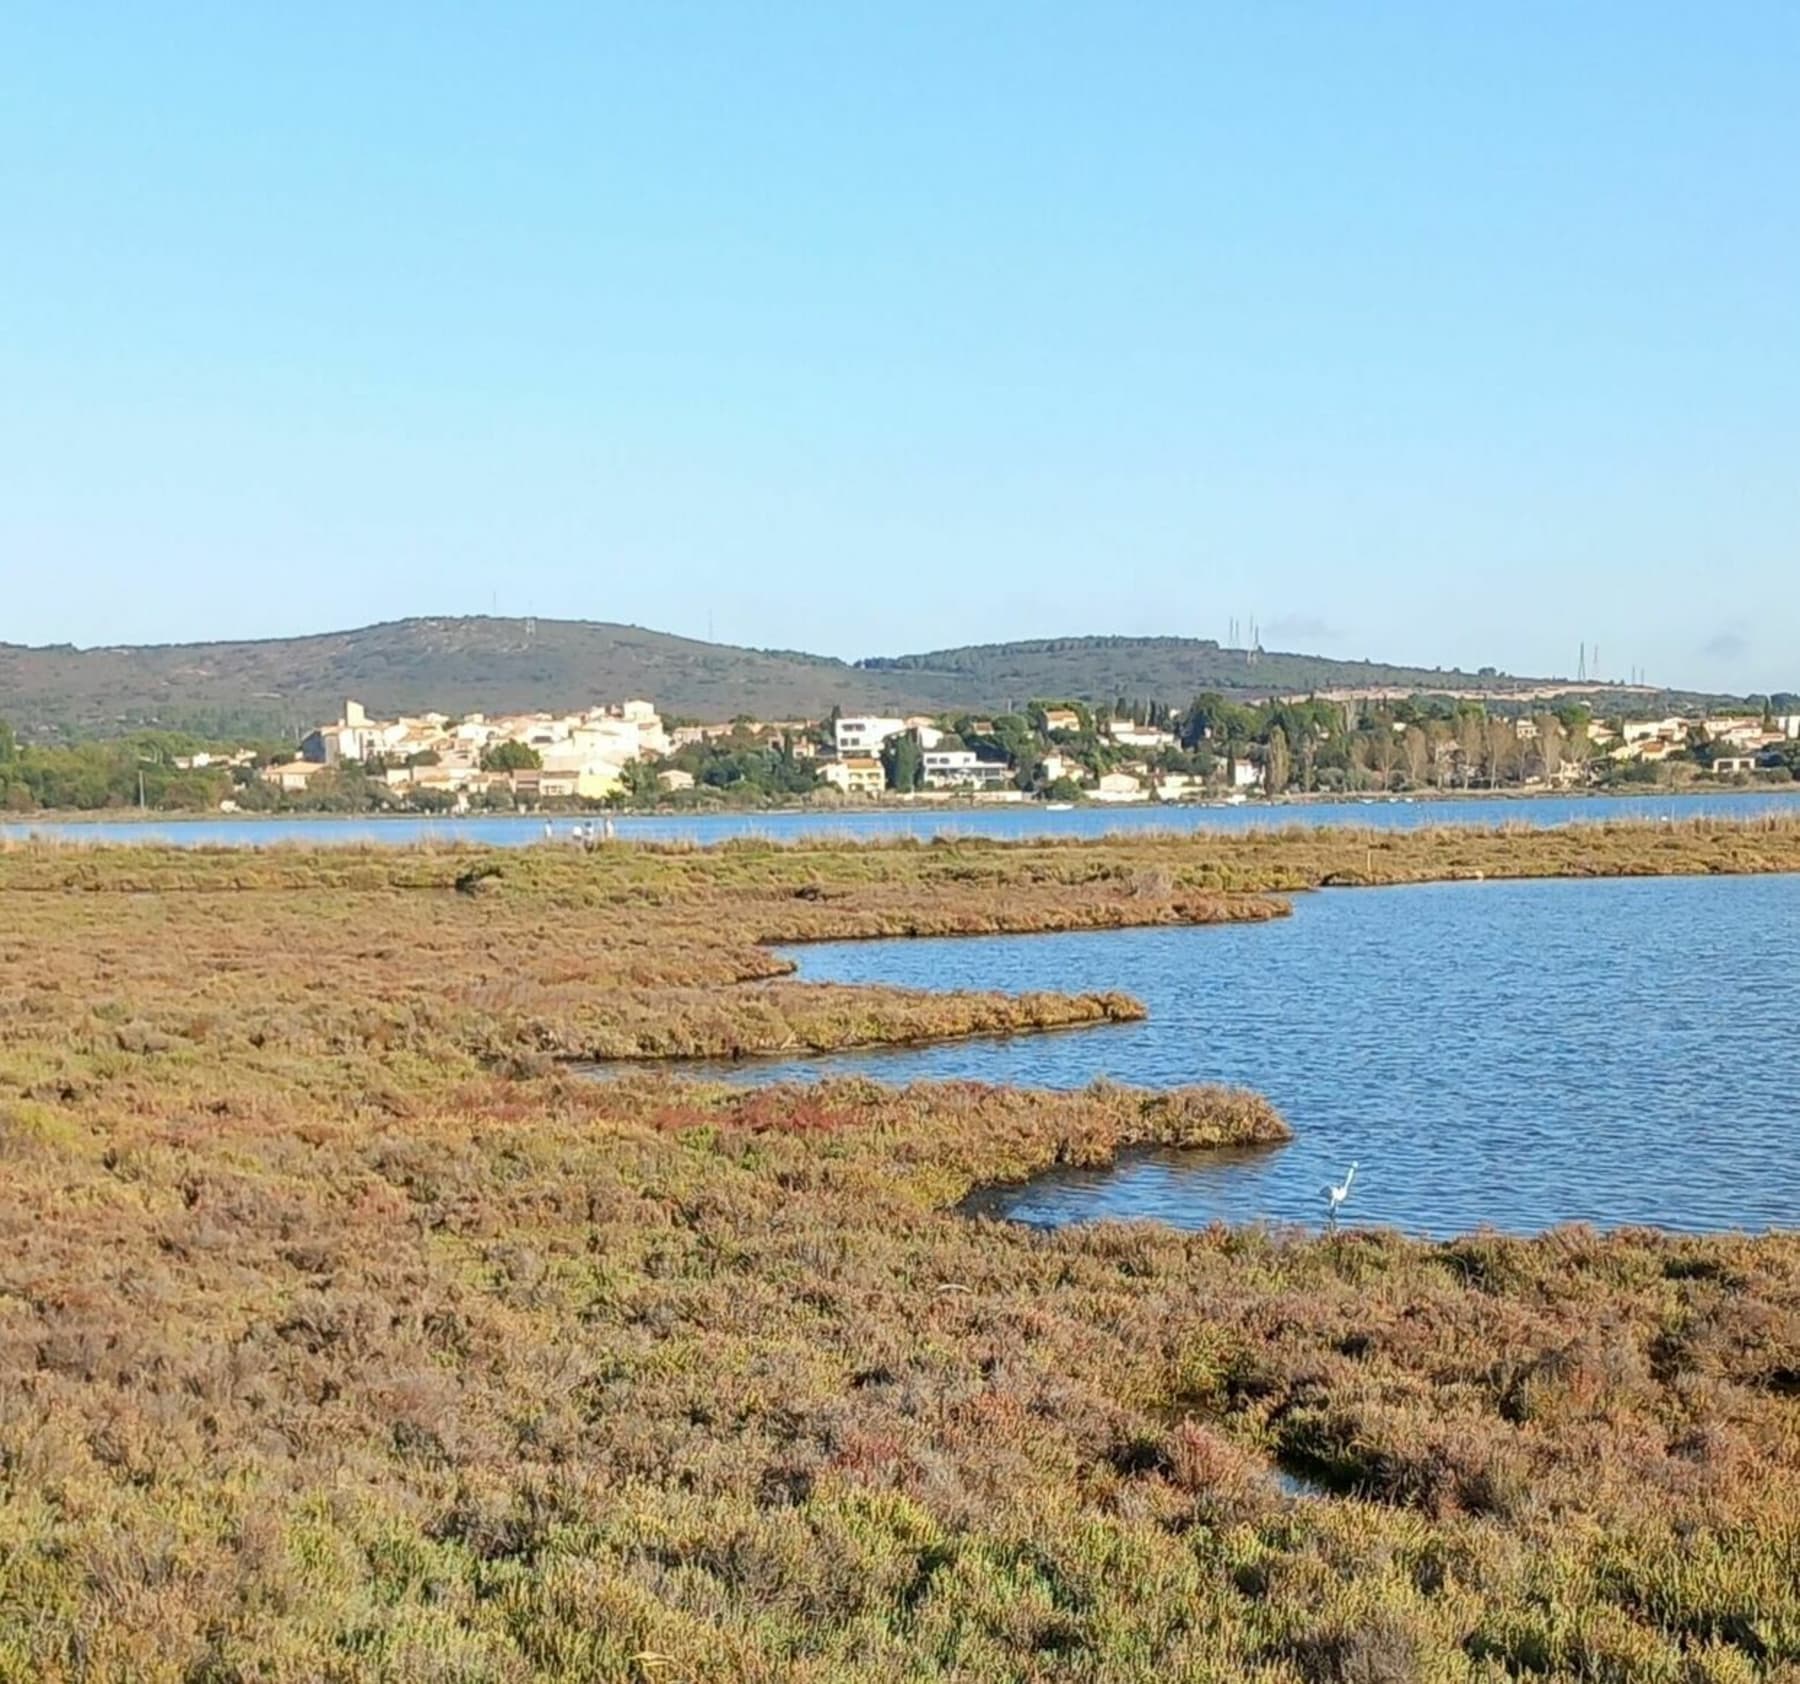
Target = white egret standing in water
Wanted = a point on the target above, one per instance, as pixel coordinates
(1335, 1196)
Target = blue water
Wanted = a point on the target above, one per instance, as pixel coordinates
(1020, 823)
(1511, 1054)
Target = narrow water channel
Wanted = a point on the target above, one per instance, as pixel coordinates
(1509, 1054)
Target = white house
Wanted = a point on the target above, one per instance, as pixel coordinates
(294, 776)
(1670, 730)
(1129, 735)
(864, 735)
(962, 768)
(1739, 732)
(592, 783)
(638, 716)
(1118, 786)
(354, 737)
(855, 775)
(1056, 765)
(1246, 774)
(925, 732)
(448, 774)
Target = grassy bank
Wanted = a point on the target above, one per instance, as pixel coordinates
(639, 951)
(344, 1334)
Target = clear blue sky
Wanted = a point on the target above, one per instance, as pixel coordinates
(1431, 332)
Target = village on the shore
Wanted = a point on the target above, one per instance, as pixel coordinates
(626, 755)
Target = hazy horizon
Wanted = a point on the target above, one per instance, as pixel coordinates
(1424, 337)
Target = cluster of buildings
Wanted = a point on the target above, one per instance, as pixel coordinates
(1739, 741)
(573, 755)
(584, 756)
(1738, 744)
(858, 741)
(858, 769)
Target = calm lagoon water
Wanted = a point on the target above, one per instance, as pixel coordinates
(1021, 822)
(1510, 1054)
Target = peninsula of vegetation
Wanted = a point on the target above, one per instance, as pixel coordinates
(346, 1331)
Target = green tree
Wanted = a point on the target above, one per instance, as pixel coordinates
(1276, 762)
(510, 757)
(9, 744)
(641, 788)
(1701, 745)
(903, 761)
(743, 768)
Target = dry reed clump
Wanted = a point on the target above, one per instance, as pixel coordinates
(326, 1351)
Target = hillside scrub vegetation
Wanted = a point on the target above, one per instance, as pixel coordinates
(478, 662)
(347, 1333)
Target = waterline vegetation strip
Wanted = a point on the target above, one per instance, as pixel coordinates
(809, 1018)
(346, 1334)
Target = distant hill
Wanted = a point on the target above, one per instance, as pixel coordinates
(279, 686)
(1171, 669)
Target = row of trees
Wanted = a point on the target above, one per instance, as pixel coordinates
(1421, 743)
(1306, 746)
(743, 766)
(125, 772)
(140, 771)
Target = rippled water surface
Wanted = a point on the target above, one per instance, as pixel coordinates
(1014, 822)
(1515, 1054)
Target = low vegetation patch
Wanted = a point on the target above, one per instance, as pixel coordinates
(345, 1334)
